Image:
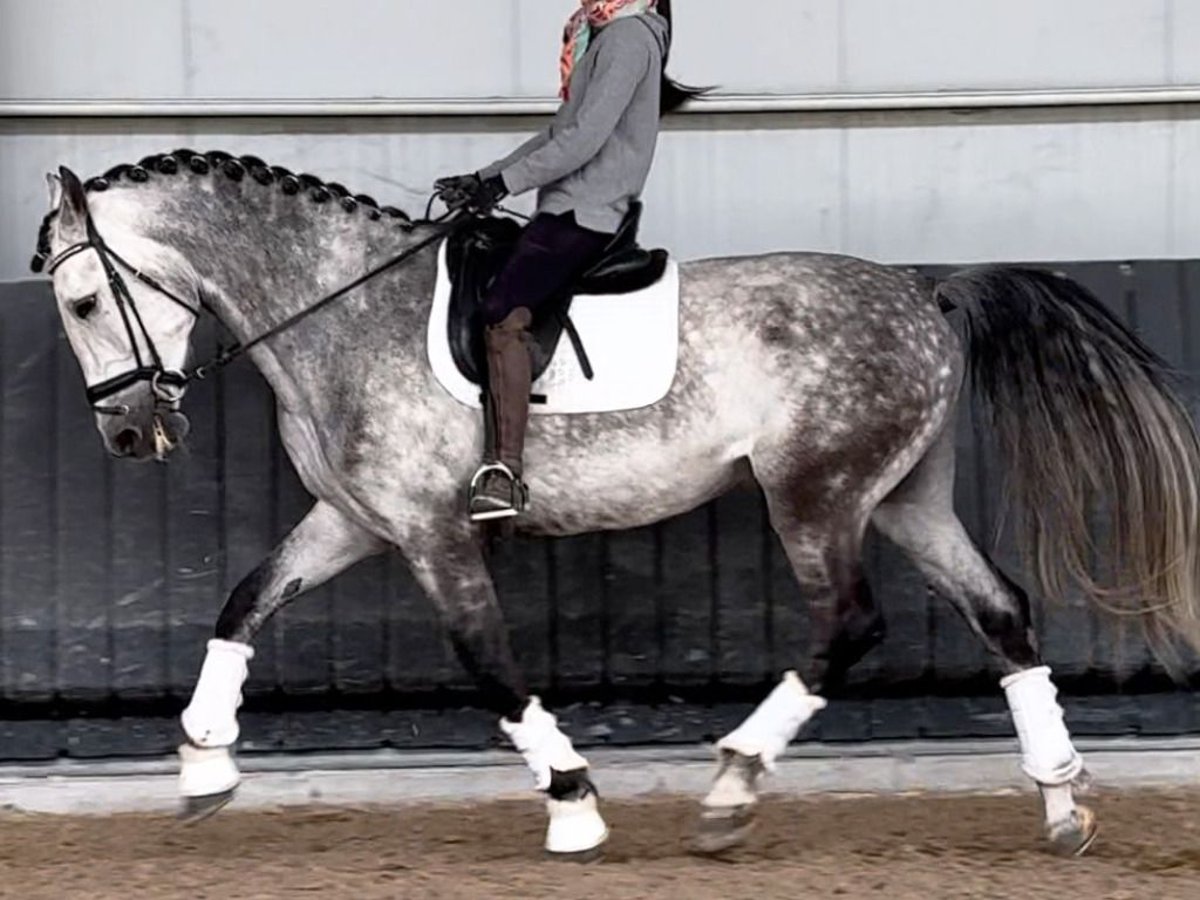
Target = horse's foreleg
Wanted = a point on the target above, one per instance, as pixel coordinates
(920, 519)
(324, 544)
(453, 573)
(845, 625)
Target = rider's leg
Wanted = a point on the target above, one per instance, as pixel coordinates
(549, 255)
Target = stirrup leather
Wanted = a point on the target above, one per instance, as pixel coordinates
(518, 493)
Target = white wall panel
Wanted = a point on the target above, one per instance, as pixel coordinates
(1184, 191)
(84, 49)
(231, 49)
(355, 48)
(733, 191)
(942, 44)
(984, 190)
(1185, 41)
(788, 47)
(945, 189)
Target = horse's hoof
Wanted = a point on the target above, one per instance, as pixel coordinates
(581, 857)
(197, 809)
(577, 830)
(723, 829)
(1074, 836)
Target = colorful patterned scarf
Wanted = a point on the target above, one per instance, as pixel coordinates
(578, 33)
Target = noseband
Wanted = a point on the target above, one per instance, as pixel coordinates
(168, 385)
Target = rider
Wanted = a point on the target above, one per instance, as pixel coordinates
(588, 166)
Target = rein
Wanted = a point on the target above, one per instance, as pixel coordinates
(226, 356)
(169, 385)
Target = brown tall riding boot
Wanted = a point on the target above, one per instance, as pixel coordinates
(497, 491)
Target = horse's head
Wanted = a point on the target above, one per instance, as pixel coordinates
(128, 305)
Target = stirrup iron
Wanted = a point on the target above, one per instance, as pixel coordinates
(518, 494)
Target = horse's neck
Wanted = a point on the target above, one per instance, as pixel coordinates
(260, 277)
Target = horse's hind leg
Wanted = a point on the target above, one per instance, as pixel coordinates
(919, 517)
(448, 562)
(846, 624)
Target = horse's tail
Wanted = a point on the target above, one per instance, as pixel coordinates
(1086, 420)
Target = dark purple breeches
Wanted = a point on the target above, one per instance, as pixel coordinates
(551, 252)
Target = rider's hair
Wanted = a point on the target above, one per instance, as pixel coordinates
(674, 94)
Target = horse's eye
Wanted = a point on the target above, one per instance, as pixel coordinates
(84, 308)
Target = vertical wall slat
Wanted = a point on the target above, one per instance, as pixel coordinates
(27, 486)
(193, 590)
(245, 423)
(579, 610)
(687, 592)
(304, 638)
(630, 568)
(84, 558)
(741, 653)
(521, 573)
(419, 655)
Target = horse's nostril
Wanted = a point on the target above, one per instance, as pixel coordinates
(126, 441)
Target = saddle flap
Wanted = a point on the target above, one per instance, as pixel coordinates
(475, 255)
(479, 249)
(631, 340)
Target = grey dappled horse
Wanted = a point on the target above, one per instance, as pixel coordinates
(830, 381)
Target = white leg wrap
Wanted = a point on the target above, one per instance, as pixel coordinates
(575, 825)
(1047, 755)
(544, 747)
(210, 720)
(776, 722)
(204, 772)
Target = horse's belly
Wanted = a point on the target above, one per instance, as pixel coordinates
(605, 492)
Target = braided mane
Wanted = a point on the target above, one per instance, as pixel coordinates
(235, 168)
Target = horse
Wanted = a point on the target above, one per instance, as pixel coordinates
(830, 381)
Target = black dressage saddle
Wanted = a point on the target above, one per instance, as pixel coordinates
(477, 251)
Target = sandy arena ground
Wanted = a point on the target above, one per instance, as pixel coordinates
(901, 848)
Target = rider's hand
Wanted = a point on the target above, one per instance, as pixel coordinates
(488, 194)
(471, 192)
(457, 190)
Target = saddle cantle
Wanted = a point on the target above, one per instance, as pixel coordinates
(475, 255)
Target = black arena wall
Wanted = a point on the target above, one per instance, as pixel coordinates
(112, 575)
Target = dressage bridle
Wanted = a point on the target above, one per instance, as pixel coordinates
(169, 385)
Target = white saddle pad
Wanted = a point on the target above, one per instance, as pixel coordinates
(632, 341)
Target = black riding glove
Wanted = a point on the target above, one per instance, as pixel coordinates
(489, 193)
(471, 192)
(456, 190)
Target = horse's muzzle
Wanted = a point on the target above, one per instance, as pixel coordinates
(147, 431)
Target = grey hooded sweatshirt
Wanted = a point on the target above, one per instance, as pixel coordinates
(595, 157)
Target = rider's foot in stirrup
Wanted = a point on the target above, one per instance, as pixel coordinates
(497, 493)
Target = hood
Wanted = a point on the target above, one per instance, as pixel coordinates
(662, 31)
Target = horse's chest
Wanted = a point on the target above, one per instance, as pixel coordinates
(307, 455)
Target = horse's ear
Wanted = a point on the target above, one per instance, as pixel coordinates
(72, 204)
(54, 186)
